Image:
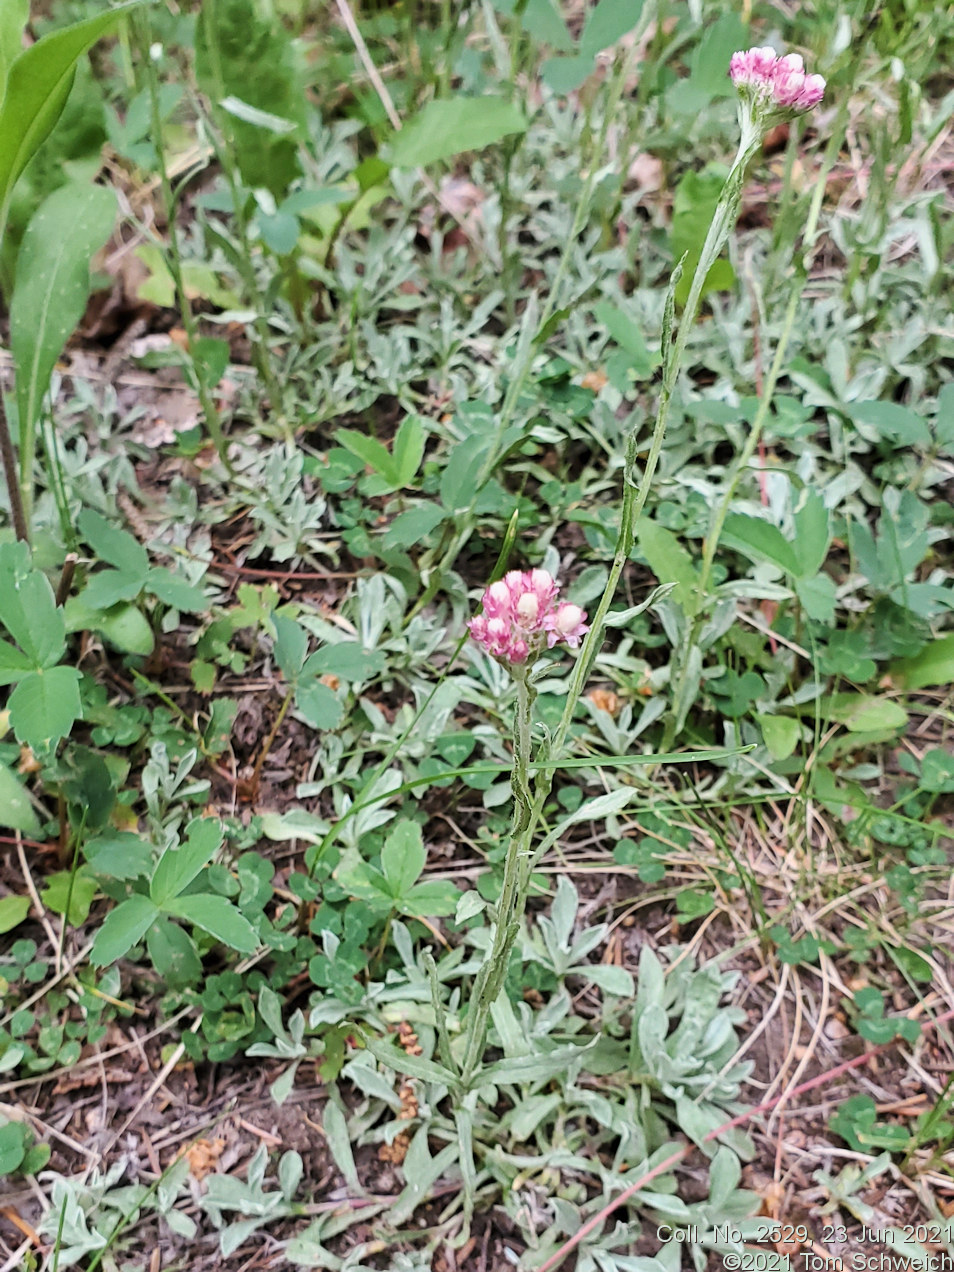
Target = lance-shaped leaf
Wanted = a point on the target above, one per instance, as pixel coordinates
(37, 86)
(53, 284)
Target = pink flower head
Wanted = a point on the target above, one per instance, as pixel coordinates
(567, 622)
(521, 616)
(776, 83)
(754, 67)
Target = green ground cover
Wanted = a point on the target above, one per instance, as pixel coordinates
(317, 319)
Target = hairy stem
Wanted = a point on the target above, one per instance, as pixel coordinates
(513, 897)
(635, 493)
(682, 696)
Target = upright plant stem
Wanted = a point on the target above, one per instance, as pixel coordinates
(9, 459)
(513, 897)
(209, 409)
(680, 699)
(528, 806)
(636, 493)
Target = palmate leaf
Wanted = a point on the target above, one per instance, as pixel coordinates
(44, 706)
(122, 928)
(431, 899)
(179, 866)
(29, 611)
(14, 665)
(113, 545)
(218, 917)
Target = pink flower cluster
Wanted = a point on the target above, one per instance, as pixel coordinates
(522, 614)
(778, 81)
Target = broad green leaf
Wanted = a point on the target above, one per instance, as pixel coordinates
(318, 704)
(759, 540)
(468, 905)
(179, 866)
(408, 449)
(367, 884)
(16, 811)
(865, 713)
(123, 625)
(14, 664)
(432, 899)
(694, 205)
(28, 610)
(670, 562)
(122, 928)
(781, 734)
(199, 280)
(14, 1137)
(451, 126)
(564, 74)
(13, 18)
(708, 66)
(218, 917)
(291, 646)
(173, 953)
(115, 546)
(78, 895)
(414, 525)
(53, 283)
(461, 472)
(937, 771)
(44, 706)
(812, 534)
(628, 336)
(370, 450)
(818, 596)
(109, 588)
(347, 659)
(403, 857)
(541, 20)
(119, 854)
(303, 200)
(279, 232)
(172, 589)
(898, 424)
(13, 910)
(607, 22)
(38, 85)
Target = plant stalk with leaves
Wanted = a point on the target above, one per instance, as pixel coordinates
(770, 89)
